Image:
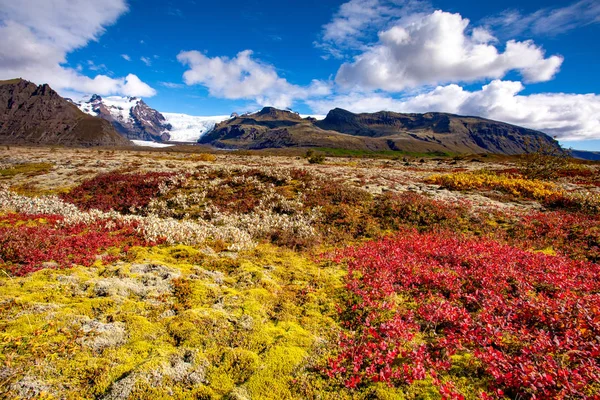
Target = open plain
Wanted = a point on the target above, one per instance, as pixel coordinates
(166, 274)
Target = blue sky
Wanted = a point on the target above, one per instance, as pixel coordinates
(531, 63)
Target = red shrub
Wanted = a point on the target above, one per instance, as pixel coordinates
(576, 235)
(117, 191)
(27, 242)
(396, 210)
(532, 320)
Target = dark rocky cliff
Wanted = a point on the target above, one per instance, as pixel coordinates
(32, 114)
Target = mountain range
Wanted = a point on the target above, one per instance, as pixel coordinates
(135, 120)
(429, 132)
(37, 114)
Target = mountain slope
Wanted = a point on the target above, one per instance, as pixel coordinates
(272, 128)
(585, 155)
(430, 132)
(130, 116)
(451, 131)
(37, 114)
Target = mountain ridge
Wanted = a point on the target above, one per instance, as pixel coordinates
(384, 130)
(36, 114)
(130, 116)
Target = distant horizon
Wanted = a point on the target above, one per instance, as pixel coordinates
(585, 145)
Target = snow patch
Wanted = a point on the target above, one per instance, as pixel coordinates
(148, 143)
(120, 107)
(318, 117)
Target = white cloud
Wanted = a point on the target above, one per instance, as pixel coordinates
(244, 77)
(38, 35)
(92, 66)
(146, 61)
(172, 85)
(546, 21)
(358, 20)
(566, 116)
(438, 49)
(126, 57)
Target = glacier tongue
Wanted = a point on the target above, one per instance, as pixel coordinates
(190, 128)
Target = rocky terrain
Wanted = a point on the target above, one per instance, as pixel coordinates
(37, 114)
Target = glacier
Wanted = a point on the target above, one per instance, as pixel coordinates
(190, 128)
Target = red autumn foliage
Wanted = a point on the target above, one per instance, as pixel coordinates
(576, 235)
(27, 242)
(414, 300)
(117, 191)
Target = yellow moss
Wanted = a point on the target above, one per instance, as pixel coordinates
(273, 380)
(29, 189)
(255, 324)
(519, 187)
(384, 392)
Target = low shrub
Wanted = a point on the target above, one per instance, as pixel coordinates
(588, 203)
(416, 304)
(28, 169)
(121, 192)
(203, 157)
(31, 242)
(576, 235)
(396, 210)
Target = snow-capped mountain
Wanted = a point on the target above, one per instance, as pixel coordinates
(135, 120)
(131, 117)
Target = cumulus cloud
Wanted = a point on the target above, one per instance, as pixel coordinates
(546, 21)
(243, 77)
(566, 116)
(358, 20)
(38, 35)
(126, 57)
(437, 49)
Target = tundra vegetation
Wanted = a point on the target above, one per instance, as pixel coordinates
(136, 275)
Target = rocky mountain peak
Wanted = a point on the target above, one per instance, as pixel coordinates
(130, 116)
(275, 113)
(95, 98)
(38, 114)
